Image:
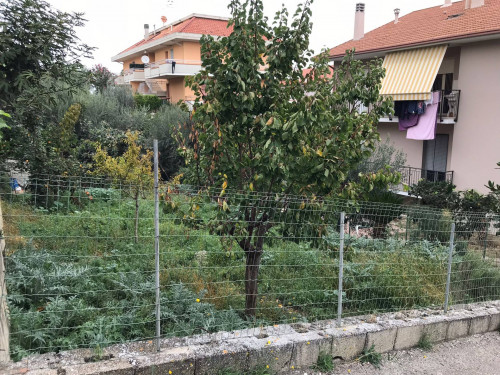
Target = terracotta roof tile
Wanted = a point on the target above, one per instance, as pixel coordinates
(193, 25)
(428, 25)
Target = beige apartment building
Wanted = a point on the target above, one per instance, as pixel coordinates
(159, 63)
(453, 49)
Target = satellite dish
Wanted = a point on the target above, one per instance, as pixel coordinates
(145, 59)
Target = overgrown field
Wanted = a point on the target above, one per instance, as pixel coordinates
(76, 277)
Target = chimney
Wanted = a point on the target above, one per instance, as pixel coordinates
(476, 3)
(396, 15)
(447, 3)
(359, 21)
(146, 31)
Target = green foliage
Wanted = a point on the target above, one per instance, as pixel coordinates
(260, 126)
(151, 102)
(133, 170)
(371, 356)
(100, 77)
(324, 362)
(77, 279)
(425, 343)
(439, 194)
(393, 210)
(40, 57)
(3, 124)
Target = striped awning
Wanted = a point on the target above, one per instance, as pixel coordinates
(409, 75)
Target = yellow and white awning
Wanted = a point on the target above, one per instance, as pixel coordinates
(409, 75)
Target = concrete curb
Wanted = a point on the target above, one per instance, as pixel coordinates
(279, 348)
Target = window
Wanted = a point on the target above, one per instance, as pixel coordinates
(172, 53)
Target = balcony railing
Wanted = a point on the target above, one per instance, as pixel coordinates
(131, 75)
(447, 111)
(411, 176)
(119, 80)
(449, 105)
(172, 67)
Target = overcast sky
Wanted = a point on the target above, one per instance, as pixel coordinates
(114, 25)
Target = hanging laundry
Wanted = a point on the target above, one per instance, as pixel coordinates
(426, 128)
(408, 121)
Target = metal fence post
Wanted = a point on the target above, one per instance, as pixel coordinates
(448, 276)
(341, 269)
(157, 245)
(485, 246)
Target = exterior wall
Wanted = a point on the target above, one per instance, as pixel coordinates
(135, 86)
(414, 149)
(192, 51)
(177, 89)
(178, 51)
(126, 63)
(476, 143)
(160, 54)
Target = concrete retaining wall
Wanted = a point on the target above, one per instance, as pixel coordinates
(279, 348)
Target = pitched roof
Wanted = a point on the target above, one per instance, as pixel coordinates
(429, 25)
(191, 25)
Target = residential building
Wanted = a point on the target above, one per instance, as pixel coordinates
(159, 63)
(453, 48)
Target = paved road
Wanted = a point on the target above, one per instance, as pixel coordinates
(474, 355)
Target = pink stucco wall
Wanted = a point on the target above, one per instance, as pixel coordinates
(476, 141)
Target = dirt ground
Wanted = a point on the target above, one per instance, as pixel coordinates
(473, 355)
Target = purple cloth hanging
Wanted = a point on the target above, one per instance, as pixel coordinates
(426, 128)
(408, 121)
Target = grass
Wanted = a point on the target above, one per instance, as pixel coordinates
(371, 356)
(425, 343)
(76, 278)
(324, 362)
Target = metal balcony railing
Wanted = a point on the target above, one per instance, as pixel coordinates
(411, 176)
(449, 105)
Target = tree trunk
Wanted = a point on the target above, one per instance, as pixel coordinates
(251, 281)
(4, 314)
(136, 232)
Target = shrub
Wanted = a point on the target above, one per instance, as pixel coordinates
(151, 102)
(440, 194)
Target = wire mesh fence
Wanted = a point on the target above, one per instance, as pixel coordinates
(78, 276)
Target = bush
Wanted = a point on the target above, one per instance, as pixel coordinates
(151, 102)
(440, 194)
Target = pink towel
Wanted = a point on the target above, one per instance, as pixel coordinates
(426, 128)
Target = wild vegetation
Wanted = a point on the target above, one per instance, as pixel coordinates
(258, 245)
(77, 278)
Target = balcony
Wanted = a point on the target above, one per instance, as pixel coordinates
(120, 80)
(172, 68)
(133, 75)
(411, 176)
(447, 111)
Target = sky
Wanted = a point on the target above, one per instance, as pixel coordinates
(114, 25)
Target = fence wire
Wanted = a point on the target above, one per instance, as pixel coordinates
(78, 276)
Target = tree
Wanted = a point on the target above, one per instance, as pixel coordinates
(40, 56)
(3, 123)
(101, 78)
(263, 128)
(132, 171)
